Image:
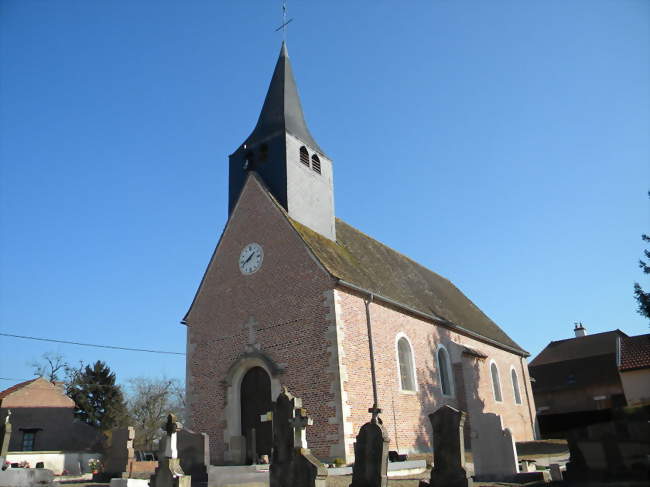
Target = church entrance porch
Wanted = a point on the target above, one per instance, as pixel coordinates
(255, 394)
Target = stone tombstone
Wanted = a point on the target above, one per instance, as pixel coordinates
(292, 464)
(169, 472)
(194, 454)
(119, 454)
(556, 472)
(448, 448)
(370, 467)
(493, 449)
(5, 437)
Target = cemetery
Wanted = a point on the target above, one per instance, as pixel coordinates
(603, 455)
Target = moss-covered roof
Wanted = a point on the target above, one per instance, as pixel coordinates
(364, 262)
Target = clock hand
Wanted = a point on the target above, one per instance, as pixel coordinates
(249, 257)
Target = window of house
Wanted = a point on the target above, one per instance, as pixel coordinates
(496, 383)
(304, 156)
(405, 357)
(28, 440)
(444, 372)
(515, 386)
(315, 163)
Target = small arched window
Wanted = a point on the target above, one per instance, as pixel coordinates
(315, 163)
(406, 372)
(444, 372)
(515, 385)
(496, 383)
(304, 156)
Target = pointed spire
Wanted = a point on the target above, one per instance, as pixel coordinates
(282, 111)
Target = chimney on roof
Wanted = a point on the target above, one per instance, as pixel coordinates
(579, 330)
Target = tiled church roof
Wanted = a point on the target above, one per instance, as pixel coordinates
(15, 387)
(635, 352)
(364, 262)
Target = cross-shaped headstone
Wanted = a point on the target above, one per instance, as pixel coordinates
(171, 427)
(375, 411)
(299, 423)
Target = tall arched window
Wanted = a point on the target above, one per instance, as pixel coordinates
(515, 385)
(315, 163)
(496, 383)
(444, 371)
(405, 357)
(304, 156)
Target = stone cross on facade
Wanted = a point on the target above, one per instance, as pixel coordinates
(252, 344)
(172, 427)
(299, 423)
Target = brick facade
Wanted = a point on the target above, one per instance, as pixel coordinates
(291, 300)
(311, 336)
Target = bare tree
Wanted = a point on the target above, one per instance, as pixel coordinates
(51, 366)
(149, 402)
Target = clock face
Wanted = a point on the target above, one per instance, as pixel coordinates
(250, 259)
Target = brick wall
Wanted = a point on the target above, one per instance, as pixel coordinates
(405, 412)
(290, 298)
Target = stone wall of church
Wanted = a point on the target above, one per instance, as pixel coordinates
(405, 412)
(291, 300)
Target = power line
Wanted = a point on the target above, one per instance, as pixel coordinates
(112, 347)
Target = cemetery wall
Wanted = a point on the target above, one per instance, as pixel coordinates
(291, 300)
(405, 412)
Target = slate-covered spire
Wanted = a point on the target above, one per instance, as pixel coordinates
(282, 111)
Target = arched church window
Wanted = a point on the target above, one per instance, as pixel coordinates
(515, 385)
(315, 163)
(444, 371)
(405, 357)
(496, 383)
(304, 156)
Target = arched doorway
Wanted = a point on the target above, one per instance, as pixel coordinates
(255, 395)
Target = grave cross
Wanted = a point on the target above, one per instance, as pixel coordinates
(375, 411)
(299, 424)
(171, 427)
(8, 416)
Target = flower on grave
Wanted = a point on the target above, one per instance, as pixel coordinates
(24, 464)
(94, 464)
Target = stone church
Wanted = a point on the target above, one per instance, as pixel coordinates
(292, 294)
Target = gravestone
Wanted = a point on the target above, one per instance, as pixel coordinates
(493, 449)
(169, 472)
(194, 454)
(370, 467)
(292, 464)
(119, 454)
(5, 437)
(449, 468)
(556, 472)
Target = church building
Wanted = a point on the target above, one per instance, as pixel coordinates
(295, 297)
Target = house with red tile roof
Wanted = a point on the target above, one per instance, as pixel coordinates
(634, 368)
(44, 427)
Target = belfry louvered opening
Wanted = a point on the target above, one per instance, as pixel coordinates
(304, 156)
(315, 163)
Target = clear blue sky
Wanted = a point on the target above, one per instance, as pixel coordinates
(503, 144)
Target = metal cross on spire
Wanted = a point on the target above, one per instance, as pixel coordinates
(285, 22)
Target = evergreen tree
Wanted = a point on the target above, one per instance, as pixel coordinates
(99, 401)
(643, 298)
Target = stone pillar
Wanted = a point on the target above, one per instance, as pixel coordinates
(5, 437)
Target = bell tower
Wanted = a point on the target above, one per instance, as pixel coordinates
(282, 151)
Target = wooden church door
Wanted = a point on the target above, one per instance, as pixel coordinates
(255, 401)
